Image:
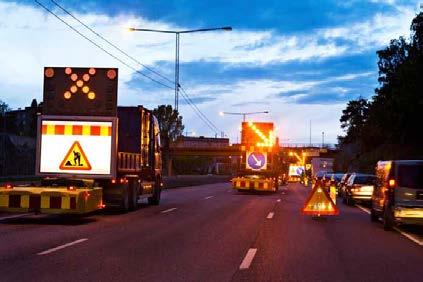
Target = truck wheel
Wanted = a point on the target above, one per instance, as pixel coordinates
(155, 199)
(124, 206)
(133, 194)
(388, 222)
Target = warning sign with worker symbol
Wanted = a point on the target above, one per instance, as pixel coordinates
(74, 147)
(256, 160)
(75, 159)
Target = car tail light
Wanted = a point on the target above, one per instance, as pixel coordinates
(71, 188)
(9, 186)
(391, 183)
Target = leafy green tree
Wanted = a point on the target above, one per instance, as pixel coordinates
(353, 119)
(171, 127)
(390, 126)
(4, 107)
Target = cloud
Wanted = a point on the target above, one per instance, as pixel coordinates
(36, 39)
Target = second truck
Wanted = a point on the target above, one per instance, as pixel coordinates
(258, 168)
(90, 152)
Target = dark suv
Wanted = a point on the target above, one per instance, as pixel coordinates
(398, 193)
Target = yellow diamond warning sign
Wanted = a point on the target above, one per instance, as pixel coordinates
(75, 159)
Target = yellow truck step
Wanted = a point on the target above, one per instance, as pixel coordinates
(51, 200)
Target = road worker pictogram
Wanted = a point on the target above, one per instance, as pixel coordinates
(75, 159)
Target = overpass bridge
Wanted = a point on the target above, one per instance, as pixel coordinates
(221, 148)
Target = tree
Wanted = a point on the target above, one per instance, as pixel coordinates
(4, 107)
(353, 119)
(171, 127)
(389, 127)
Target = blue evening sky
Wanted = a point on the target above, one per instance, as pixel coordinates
(300, 60)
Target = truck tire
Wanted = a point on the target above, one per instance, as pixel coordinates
(124, 206)
(155, 199)
(133, 194)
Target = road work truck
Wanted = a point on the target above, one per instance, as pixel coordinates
(258, 165)
(90, 152)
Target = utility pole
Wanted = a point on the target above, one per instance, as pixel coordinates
(323, 139)
(310, 134)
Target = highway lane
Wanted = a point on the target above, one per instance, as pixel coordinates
(347, 247)
(203, 238)
(208, 233)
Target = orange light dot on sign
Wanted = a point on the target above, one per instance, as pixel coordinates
(91, 71)
(73, 89)
(91, 95)
(68, 70)
(86, 77)
(79, 83)
(111, 74)
(67, 95)
(49, 72)
(74, 77)
(85, 89)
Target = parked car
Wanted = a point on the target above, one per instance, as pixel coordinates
(359, 188)
(342, 184)
(398, 194)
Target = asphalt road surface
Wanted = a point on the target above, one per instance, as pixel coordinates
(210, 233)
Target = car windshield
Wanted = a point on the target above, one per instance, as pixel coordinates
(364, 179)
(410, 176)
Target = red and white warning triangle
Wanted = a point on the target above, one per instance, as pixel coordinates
(319, 203)
(75, 159)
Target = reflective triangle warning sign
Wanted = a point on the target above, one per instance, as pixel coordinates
(319, 203)
(75, 159)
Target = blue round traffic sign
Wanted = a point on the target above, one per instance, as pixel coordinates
(256, 160)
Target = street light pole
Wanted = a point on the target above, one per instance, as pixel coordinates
(177, 72)
(177, 37)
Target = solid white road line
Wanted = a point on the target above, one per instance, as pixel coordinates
(405, 234)
(62, 247)
(209, 197)
(409, 236)
(278, 200)
(169, 210)
(366, 210)
(246, 262)
(270, 215)
(15, 216)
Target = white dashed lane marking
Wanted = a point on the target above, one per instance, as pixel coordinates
(169, 210)
(62, 247)
(209, 197)
(270, 215)
(248, 259)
